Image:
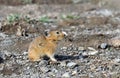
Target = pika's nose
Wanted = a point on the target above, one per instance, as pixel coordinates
(65, 34)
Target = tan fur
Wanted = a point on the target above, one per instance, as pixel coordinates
(44, 45)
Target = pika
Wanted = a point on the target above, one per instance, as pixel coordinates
(45, 45)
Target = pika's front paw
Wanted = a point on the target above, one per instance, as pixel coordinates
(53, 59)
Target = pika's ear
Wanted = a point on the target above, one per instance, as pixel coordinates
(46, 33)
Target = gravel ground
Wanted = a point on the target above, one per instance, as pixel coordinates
(91, 49)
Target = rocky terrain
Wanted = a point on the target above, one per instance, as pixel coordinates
(91, 49)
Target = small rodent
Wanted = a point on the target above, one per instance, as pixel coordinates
(45, 45)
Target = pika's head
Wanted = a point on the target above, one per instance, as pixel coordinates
(56, 35)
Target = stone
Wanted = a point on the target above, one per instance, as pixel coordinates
(91, 51)
(44, 69)
(64, 48)
(84, 76)
(25, 53)
(75, 48)
(116, 60)
(74, 72)
(88, 53)
(3, 35)
(71, 64)
(91, 48)
(63, 64)
(54, 70)
(103, 45)
(5, 54)
(81, 48)
(66, 75)
(70, 48)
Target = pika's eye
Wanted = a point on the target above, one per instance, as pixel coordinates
(57, 32)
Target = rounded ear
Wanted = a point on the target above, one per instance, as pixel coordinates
(46, 33)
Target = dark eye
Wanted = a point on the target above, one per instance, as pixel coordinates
(57, 32)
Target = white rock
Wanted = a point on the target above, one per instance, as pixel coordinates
(89, 53)
(63, 64)
(70, 64)
(64, 48)
(74, 72)
(117, 60)
(66, 75)
(81, 48)
(92, 52)
(25, 53)
(44, 69)
(103, 45)
(3, 35)
(91, 48)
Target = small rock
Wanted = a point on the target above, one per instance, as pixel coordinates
(1, 66)
(25, 53)
(98, 68)
(44, 69)
(28, 67)
(89, 53)
(91, 48)
(5, 54)
(116, 60)
(84, 76)
(63, 63)
(51, 74)
(66, 75)
(70, 64)
(103, 45)
(54, 70)
(81, 48)
(92, 67)
(70, 48)
(42, 62)
(64, 48)
(74, 72)
(3, 35)
(75, 48)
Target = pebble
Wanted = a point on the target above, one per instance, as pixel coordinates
(88, 53)
(91, 51)
(116, 60)
(71, 64)
(25, 53)
(67, 75)
(44, 69)
(91, 48)
(63, 63)
(51, 74)
(84, 76)
(70, 48)
(1, 66)
(81, 48)
(54, 70)
(75, 48)
(103, 45)
(74, 72)
(64, 48)
(43, 62)
(3, 35)
(98, 68)
(4, 54)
